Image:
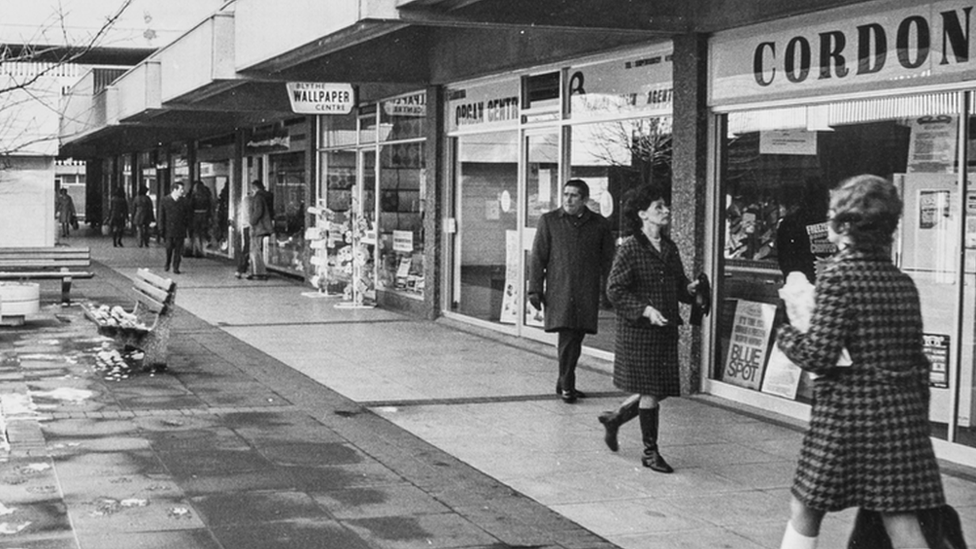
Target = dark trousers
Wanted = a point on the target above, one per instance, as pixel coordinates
(118, 231)
(142, 235)
(570, 347)
(244, 251)
(174, 252)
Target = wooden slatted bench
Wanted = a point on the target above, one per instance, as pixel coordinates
(46, 263)
(147, 326)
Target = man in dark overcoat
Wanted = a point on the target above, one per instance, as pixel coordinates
(174, 217)
(571, 254)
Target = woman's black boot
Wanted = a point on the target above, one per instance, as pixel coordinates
(651, 458)
(613, 420)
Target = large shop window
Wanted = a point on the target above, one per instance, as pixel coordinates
(401, 251)
(778, 167)
(287, 175)
(613, 158)
(487, 176)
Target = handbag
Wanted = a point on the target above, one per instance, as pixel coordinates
(74, 221)
(940, 526)
(703, 300)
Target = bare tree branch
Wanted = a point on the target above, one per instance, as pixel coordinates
(26, 73)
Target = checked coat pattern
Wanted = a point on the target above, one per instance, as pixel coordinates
(646, 356)
(868, 441)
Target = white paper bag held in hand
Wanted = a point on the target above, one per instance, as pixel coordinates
(800, 299)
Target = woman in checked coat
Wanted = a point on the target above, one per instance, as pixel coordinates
(868, 441)
(646, 283)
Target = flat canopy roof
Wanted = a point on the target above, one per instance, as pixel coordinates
(36, 53)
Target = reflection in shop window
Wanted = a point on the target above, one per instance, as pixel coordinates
(614, 157)
(779, 165)
(287, 175)
(401, 252)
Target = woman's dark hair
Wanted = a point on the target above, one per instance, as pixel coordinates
(638, 200)
(143, 189)
(866, 208)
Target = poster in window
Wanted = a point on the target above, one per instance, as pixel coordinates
(936, 349)
(933, 208)
(932, 145)
(511, 296)
(749, 343)
(794, 142)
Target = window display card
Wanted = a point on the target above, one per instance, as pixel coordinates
(936, 349)
(403, 241)
(795, 141)
(512, 297)
(752, 326)
(932, 144)
(403, 268)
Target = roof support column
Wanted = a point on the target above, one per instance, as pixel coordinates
(436, 175)
(689, 188)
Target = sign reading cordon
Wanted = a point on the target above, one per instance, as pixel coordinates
(321, 97)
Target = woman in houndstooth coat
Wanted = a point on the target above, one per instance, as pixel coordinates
(646, 283)
(868, 441)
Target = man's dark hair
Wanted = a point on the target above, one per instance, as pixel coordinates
(257, 183)
(584, 189)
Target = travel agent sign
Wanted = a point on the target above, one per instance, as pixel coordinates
(321, 97)
(875, 45)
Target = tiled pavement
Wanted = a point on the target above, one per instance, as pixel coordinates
(285, 422)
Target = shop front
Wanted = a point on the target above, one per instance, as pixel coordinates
(370, 203)
(276, 156)
(885, 88)
(514, 140)
(215, 168)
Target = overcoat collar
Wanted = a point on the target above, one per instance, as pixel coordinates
(585, 216)
(666, 247)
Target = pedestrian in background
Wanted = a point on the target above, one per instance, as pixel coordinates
(262, 225)
(243, 236)
(118, 216)
(142, 216)
(646, 283)
(174, 217)
(65, 211)
(572, 251)
(868, 442)
(201, 202)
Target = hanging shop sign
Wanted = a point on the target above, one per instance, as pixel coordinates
(411, 105)
(321, 97)
(878, 45)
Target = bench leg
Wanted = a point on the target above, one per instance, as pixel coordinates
(66, 291)
(156, 343)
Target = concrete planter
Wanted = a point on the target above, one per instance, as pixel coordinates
(17, 300)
